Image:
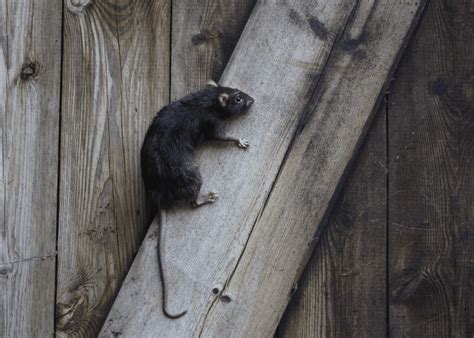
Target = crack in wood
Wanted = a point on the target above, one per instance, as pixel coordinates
(32, 258)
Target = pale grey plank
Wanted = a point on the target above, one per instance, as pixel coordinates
(30, 61)
(116, 75)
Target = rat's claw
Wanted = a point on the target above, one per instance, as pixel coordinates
(243, 143)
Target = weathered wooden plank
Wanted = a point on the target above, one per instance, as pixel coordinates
(30, 61)
(279, 53)
(230, 264)
(342, 292)
(431, 182)
(116, 74)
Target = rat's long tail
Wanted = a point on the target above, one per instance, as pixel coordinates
(162, 276)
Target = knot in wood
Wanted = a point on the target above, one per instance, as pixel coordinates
(29, 70)
(5, 270)
(202, 37)
(73, 309)
(77, 6)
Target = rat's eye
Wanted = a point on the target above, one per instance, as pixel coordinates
(238, 99)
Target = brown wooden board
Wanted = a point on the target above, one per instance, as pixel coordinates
(342, 292)
(30, 66)
(431, 182)
(115, 76)
(233, 265)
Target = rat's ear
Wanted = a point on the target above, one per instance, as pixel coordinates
(212, 83)
(223, 97)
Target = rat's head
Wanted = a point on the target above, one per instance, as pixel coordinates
(232, 101)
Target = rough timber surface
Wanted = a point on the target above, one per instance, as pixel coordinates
(30, 60)
(115, 76)
(342, 292)
(431, 189)
(232, 265)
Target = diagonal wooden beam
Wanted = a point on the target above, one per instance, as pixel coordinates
(316, 71)
(348, 267)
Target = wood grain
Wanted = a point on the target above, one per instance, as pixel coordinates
(30, 59)
(431, 189)
(116, 75)
(342, 292)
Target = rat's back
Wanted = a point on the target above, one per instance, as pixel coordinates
(167, 157)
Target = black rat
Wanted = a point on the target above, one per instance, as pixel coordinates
(169, 171)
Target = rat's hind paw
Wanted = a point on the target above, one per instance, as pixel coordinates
(208, 198)
(243, 143)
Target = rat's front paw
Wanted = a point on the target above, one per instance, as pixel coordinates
(243, 143)
(212, 196)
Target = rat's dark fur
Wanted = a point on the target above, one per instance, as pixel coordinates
(169, 172)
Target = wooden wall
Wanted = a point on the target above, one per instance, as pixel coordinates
(30, 77)
(79, 84)
(115, 76)
(431, 179)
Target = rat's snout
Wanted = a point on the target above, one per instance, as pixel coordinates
(250, 101)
